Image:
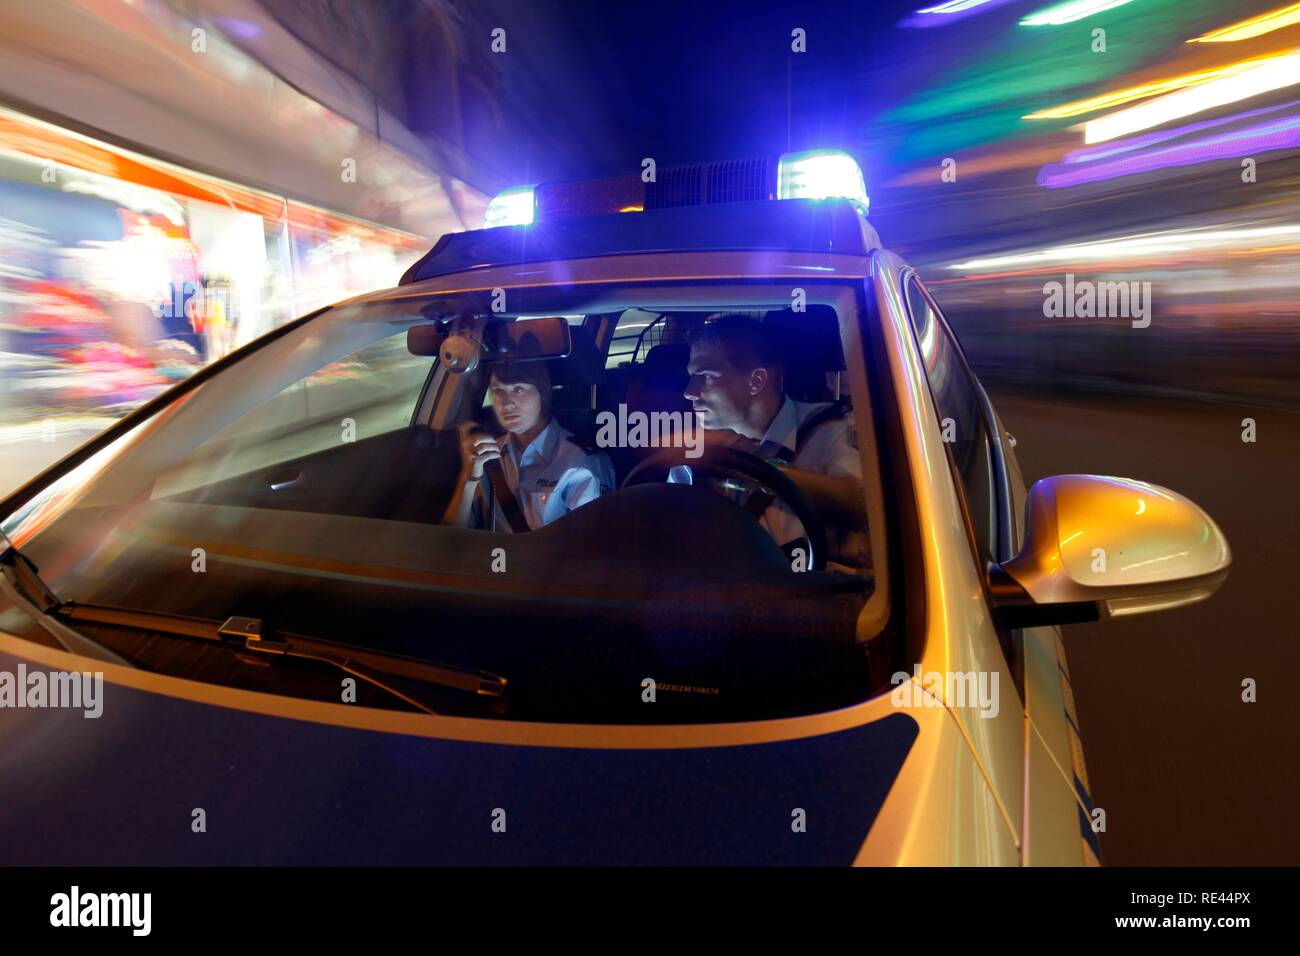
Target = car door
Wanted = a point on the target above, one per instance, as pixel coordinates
(1056, 829)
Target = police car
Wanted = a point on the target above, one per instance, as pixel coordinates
(238, 630)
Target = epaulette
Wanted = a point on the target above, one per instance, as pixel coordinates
(590, 449)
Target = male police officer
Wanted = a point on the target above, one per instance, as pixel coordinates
(737, 384)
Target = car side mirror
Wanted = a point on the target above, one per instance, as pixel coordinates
(1103, 547)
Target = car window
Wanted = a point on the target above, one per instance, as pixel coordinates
(370, 392)
(964, 428)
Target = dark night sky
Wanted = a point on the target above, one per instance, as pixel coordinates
(591, 88)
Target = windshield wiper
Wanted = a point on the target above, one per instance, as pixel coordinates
(20, 583)
(248, 634)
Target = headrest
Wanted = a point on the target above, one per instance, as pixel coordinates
(665, 365)
(810, 340)
(582, 366)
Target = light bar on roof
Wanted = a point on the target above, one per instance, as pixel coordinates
(511, 207)
(812, 174)
(821, 174)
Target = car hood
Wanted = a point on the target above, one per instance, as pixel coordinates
(125, 788)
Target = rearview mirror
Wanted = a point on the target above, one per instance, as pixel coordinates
(527, 340)
(1104, 547)
(425, 339)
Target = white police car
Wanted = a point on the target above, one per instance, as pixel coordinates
(257, 565)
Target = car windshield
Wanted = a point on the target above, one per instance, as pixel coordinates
(633, 504)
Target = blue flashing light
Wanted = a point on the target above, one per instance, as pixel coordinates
(821, 174)
(511, 207)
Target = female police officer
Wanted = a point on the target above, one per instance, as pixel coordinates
(544, 466)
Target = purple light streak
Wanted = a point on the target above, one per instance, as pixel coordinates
(1283, 133)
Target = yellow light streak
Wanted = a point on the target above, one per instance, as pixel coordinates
(1154, 88)
(1254, 27)
(1274, 73)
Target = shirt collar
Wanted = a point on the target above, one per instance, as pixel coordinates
(784, 430)
(543, 446)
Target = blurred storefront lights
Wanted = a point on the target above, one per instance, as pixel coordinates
(120, 273)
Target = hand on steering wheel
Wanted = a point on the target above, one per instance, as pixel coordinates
(722, 461)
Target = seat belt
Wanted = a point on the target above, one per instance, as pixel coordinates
(496, 488)
(500, 489)
(758, 501)
(835, 410)
(490, 498)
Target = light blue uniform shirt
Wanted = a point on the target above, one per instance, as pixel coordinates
(832, 450)
(552, 476)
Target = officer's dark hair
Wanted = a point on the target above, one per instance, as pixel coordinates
(746, 341)
(530, 373)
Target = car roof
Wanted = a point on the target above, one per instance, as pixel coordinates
(834, 226)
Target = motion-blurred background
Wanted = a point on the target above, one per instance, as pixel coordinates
(178, 177)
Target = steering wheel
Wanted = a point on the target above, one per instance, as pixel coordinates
(720, 461)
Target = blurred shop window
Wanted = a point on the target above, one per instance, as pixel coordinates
(334, 259)
(119, 282)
